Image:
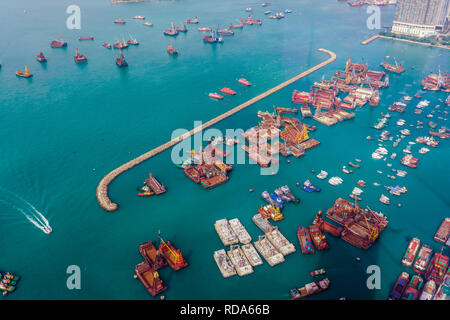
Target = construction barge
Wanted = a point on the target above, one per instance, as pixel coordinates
(262, 223)
(151, 186)
(280, 242)
(149, 278)
(268, 251)
(223, 262)
(225, 232)
(240, 231)
(252, 255)
(239, 260)
(310, 289)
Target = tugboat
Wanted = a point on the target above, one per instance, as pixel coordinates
(172, 51)
(58, 44)
(79, 58)
(24, 74)
(40, 57)
(244, 82)
(309, 187)
(215, 95)
(120, 61)
(195, 20)
(171, 32)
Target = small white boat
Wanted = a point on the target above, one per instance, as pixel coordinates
(322, 174)
(384, 199)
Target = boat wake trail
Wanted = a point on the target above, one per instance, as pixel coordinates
(30, 212)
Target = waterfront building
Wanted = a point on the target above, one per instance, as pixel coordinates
(421, 18)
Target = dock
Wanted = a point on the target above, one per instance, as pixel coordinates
(377, 36)
(223, 262)
(268, 251)
(239, 260)
(102, 188)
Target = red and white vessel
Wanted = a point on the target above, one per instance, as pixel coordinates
(40, 57)
(119, 21)
(215, 95)
(237, 26)
(227, 91)
(58, 44)
(85, 38)
(79, 58)
(195, 20)
(244, 82)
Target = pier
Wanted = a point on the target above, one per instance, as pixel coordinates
(102, 188)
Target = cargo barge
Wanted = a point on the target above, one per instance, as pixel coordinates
(413, 288)
(153, 257)
(240, 231)
(172, 255)
(280, 242)
(151, 186)
(318, 238)
(443, 233)
(226, 234)
(423, 258)
(437, 268)
(271, 212)
(240, 262)
(310, 289)
(304, 239)
(410, 253)
(268, 251)
(150, 278)
(252, 255)
(224, 263)
(262, 223)
(399, 287)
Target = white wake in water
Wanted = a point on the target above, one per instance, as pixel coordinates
(32, 214)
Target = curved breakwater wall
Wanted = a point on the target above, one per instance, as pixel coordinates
(102, 188)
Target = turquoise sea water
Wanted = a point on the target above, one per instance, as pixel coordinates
(69, 125)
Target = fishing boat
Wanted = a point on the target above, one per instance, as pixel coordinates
(172, 51)
(397, 68)
(182, 29)
(267, 12)
(399, 286)
(120, 45)
(304, 239)
(106, 45)
(423, 258)
(215, 95)
(58, 44)
(120, 61)
(40, 57)
(317, 272)
(410, 253)
(139, 17)
(322, 174)
(384, 199)
(244, 82)
(354, 165)
(145, 191)
(119, 21)
(85, 38)
(278, 15)
(204, 29)
(237, 26)
(171, 32)
(24, 74)
(288, 11)
(79, 58)
(227, 91)
(132, 41)
(195, 20)
(148, 24)
(265, 4)
(318, 238)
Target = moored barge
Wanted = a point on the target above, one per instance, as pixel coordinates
(443, 233)
(268, 251)
(410, 253)
(149, 278)
(224, 263)
(310, 289)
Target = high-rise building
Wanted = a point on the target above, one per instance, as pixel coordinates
(421, 18)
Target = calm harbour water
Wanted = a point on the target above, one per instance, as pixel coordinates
(62, 130)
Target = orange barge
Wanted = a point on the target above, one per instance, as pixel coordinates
(153, 257)
(172, 255)
(149, 278)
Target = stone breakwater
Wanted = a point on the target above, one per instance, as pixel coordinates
(102, 188)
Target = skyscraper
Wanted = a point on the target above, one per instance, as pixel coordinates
(420, 17)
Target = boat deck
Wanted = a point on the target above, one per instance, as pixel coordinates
(268, 251)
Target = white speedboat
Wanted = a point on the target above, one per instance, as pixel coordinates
(322, 174)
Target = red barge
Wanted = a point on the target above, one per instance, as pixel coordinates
(149, 278)
(58, 44)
